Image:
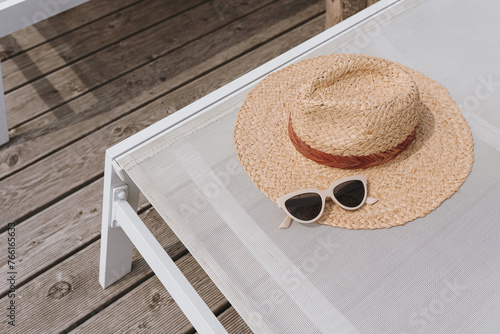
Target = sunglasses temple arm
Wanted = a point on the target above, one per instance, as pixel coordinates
(371, 200)
(286, 223)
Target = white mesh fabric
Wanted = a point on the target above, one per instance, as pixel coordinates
(438, 274)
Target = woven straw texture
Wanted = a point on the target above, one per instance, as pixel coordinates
(356, 105)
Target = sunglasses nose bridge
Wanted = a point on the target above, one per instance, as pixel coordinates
(328, 193)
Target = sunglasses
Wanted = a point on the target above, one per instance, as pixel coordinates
(306, 206)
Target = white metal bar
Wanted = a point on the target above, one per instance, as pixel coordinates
(116, 247)
(4, 130)
(189, 301)
(250, 78)
(17, 14)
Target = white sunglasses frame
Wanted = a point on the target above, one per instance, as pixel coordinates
(324, 195)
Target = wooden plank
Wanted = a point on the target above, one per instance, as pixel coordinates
(39, 33)
(149, 307)
(81, 77)
(48, 237)
(233, 323)
(42, 183)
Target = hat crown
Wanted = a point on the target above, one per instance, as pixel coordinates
(359, 106)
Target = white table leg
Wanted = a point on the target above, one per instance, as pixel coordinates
(4, 130)
(116, 248)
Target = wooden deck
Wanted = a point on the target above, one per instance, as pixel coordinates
(79, 83)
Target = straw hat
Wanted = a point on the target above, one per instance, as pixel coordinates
(326, 118)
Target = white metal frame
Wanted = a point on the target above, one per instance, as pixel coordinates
(121, 226)
(121, 229)
(17, 14)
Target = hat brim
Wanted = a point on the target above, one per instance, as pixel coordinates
(429, 171)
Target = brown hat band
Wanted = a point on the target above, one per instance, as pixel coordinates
(351, 161)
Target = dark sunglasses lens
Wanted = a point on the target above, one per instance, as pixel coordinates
(350, 193)
(305, 207)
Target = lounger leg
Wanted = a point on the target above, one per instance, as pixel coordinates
(116, 248)
(4, 130)
(186, 297)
